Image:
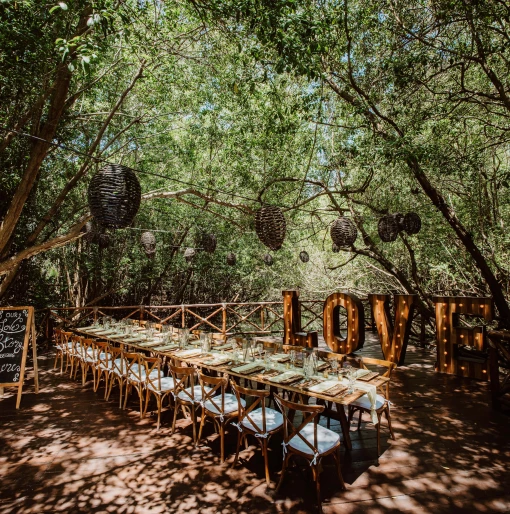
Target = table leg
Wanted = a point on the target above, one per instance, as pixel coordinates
(345, 426)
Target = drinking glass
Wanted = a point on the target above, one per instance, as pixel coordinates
(334, 366)
(293, 358)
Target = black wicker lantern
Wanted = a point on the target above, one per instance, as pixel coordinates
(270, 226)
(304, 256)
(208, 242)
(231, 259)
(343, 232)
(103, 240)
(388, 228)
(189, 253)
(268, 259)
(335, 248)
(90, 232)
(412, 223)
(114, 196)
(148, 241)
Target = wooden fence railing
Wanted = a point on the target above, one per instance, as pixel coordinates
(248, 317)
(226, 318)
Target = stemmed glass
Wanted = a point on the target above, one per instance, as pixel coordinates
(334, 366)
(293, 358)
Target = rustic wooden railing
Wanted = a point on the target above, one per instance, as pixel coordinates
(226, 318)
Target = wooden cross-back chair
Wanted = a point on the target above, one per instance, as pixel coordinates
(218, 405)
(186, 394)
(83, 357)
(309, 440)
(134, 377)
(59, 348)
(101, 363)
(116, 372)
(257, 420)
(382, 405)
(74, 354)
(156, 384)
(67, 346)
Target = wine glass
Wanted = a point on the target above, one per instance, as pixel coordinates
(293, 358)
(334, 366)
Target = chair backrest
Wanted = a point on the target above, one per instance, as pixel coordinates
(115, 353)
(134, 366)
(87, 348)
(259, 396)
(57, 336)
(390, 366)
(142, 323)
(152, 364)
(101, 352)
(213, 390)
(158, 327)
(310, 414)
(184, 378)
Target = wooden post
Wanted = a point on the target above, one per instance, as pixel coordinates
(262, 321)
(183, 317)
(223, 319)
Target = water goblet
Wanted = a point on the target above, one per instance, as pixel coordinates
(293, 358)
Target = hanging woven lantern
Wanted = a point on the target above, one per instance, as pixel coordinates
(343, 232)
(114, 196)
(304, 256)
(268, 259)
(270, 226)
(148, 241)
(90, 232)
(335, 248)
(231, 259)
(208, 242)
(412, 223)
(189, 253)
(103, 240)
(388, 228)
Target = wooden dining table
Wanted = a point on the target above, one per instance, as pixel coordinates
(262, 379)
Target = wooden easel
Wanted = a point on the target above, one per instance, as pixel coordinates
(29, 332)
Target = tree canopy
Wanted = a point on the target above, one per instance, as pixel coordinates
(325, 109)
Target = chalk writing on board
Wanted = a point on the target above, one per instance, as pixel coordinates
(13, 325)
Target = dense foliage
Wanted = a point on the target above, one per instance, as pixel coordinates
(355, 108)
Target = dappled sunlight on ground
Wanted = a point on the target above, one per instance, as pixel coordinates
(67, 450)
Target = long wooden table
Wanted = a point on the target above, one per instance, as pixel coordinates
(304, 394)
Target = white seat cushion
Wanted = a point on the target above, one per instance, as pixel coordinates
(197, 393)
(230, 405)
(274, 420)
(167, 384)
(326, 439)
(118, 366)
(364, 402)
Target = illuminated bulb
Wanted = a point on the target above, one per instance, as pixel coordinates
(398, 335)
(404, 302)
(484, 371)
(400, 324)
(445, 365)
(402, 313)
(460, 305)
(462, 336)
(481, 307)
(446, 353)
(444, 340)
(462, 368)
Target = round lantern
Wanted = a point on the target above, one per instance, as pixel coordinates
(189, 253)
(270, 226)
(114, 196)
(231, 259)
(304, 256)
(343, 232)
(388, 228)
(90, 232)
(268, 259)
(148, 241)
(103, 240)
(412, 223)
(208, 242)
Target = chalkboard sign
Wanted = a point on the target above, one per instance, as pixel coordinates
(16, 327)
